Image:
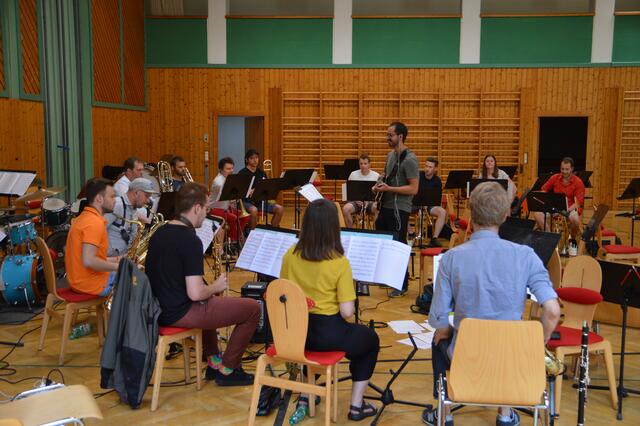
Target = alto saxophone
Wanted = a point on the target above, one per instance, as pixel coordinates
(137, 251)
(553, 366)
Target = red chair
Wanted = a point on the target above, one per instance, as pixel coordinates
(187, 337)
(580, 304)
(287, 307)
(428, 252)
(73, 303)
(614, 252)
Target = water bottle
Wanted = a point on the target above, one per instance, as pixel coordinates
(80, 330)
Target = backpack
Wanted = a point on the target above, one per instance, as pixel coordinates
(423, 301)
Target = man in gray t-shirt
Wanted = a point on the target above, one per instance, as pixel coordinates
(401, 184)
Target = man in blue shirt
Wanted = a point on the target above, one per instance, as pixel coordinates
(486, 278)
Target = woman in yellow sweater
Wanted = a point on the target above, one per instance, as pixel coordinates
(318, 265)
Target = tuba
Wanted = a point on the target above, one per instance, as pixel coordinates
(165, 177)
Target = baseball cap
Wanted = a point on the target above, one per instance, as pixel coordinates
(143, 185)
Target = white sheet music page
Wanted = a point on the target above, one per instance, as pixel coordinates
(391, 264)
(285, 244)
(205, 233)
(15, 183)
(263, 251)
(363, 257)
(250, 248)
(263, 261)
(310, 192)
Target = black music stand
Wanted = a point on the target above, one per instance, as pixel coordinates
(620, 285)
(542, 179)
(335, 172)
(471, 185)
(510, 170)
(547, 202)
(457, 179)
(543, 243)
(292, 180)
(360, 190)
(590, 230)
(167, 205)
(235, 189)
(426, 197)
(631, 192)
(15, 182)
(584, 176)
(351, 165)
(265, 190)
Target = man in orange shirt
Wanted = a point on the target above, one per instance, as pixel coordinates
(89, 270)
(572, 187)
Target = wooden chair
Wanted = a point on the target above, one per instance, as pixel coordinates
(289, 318)
(430, 252)
(66, 404)
(554, 267)
(497, 363)
(578, 304)
(184, 336)
(583, 272)
(73, 303)
(619, 252)
(340, 217)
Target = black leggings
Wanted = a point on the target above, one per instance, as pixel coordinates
(333, 333)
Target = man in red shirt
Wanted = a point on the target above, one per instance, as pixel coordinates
(570, 185)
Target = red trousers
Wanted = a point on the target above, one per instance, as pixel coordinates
(232, 219)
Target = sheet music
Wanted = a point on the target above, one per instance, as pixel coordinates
(15, 183)
(249, 250)
(363, 257)
(310, 192)
(344, 191)
(314, 176)
(285, 244)
(2, 234)
(263, 251)
(206, 233)
(391, 264)
(249, 191)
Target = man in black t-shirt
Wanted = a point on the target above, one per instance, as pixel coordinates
(430, 179)
(175, 269)
(251, 161)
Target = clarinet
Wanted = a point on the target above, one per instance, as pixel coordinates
(584, 371)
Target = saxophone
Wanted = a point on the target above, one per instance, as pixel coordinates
(553, 366)
(137, 252)
(218, 248)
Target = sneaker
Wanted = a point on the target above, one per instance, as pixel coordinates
(573, 248)
(397, 293)
(237, 378)
(362, 289)
(434, 242)
(430, 417)
(513, 421)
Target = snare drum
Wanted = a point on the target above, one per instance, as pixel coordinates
(55, 212)
(18, 280)
(22, 232)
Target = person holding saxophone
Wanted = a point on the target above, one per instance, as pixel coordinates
(120, 229)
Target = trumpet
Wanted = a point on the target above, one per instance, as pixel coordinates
(187, 176)
(165, 177)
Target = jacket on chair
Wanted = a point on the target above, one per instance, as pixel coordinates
(129, 351)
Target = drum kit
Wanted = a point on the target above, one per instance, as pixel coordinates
(21, 276)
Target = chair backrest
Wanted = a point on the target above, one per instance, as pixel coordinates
(582, 271)
(47, 263)
(554, 266)
(340, 217)
(498, 362)
(289, 319)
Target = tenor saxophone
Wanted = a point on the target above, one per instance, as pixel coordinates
(137, 251)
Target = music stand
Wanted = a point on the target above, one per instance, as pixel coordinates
(542, 179)
(292, 180)
(510, 170)
(584, 176)
(167, 205)
(620, 285)
(265, 190)
(235, 188)
(542, 243)
(15, 182)
(631, 192)
(591, 228)
(360, 190)
(471, 185)
(351, 165)
(547, 202)
(335, 172)
(457, 179)
(426, 197)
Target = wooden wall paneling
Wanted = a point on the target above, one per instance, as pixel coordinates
(29, 47)
(629, 152)
(23, 144)
(528, 143)
(106, 51)
(275, 128)
(133, 51)
(2, 78)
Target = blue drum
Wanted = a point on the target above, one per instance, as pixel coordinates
(18, 280)
(22, 232)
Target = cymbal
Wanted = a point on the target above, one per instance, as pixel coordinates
(40, 194)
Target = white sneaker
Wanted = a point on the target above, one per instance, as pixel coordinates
(573, 249)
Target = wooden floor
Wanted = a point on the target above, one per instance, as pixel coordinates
(183, 405)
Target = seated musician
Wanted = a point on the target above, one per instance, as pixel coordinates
(490, 170)
(178, 172)
(175, 269)
(223, 208)
(133, 168)
(355, 207)
(430, 179)
(251, 160)
(121, 234)
(473, 282)
(572, 186)
(89, 270)
(318, 265)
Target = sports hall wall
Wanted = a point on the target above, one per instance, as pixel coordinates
(281, 69)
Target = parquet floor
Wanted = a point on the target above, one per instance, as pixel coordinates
(182, 405)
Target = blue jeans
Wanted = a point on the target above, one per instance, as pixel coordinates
(440, 362)
(109, 286)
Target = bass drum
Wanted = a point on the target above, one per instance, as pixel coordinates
(58, 243)
(22, 281)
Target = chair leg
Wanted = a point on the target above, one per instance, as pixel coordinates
(255, 396)
(100, 323)
(328, 395)
(611, 375)
(558, 395)
(69, 312)
(199, 360)
(45, 319)
(311, 379)
(422, 273)
(334, 378)
(157, 373)
(187, 343)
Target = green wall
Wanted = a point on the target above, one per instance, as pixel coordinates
(406, 41)
(536, 40)
(279, 41)
(626, 39)
(176, 41)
